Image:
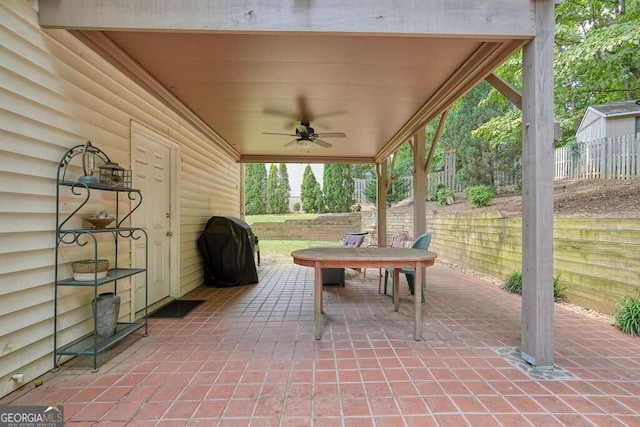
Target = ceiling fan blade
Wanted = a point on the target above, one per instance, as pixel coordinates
(290, 143)
(331, 135)
(276, 133)
(329, 114)
(287, 114)
(303, 110)
(321, 143)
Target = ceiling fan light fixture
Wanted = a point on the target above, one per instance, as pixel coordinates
(304, 143)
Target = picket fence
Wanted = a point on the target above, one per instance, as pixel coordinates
(606, 158)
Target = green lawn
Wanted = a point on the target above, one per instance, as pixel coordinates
(285, 247)
(250, 219)
(279, 251)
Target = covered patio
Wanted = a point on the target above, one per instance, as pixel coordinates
(253, 76)
(247, 356)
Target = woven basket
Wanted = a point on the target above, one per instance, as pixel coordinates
(89, 266)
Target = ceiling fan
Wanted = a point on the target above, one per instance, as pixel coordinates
(306, 135)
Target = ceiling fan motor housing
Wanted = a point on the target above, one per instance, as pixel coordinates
(305, 131)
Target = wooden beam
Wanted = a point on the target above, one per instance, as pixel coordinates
(436, 138)
(381, 202)
(498, 18)
(537, 190)
(303, 158)
(505, 89)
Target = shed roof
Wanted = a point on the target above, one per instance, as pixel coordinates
(624, 108)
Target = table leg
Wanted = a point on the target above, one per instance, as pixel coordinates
(317, 300)
(417, 296)
(396, 289)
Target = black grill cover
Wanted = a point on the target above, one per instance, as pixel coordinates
(226, 247)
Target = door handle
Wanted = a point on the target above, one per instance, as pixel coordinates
(169, 234)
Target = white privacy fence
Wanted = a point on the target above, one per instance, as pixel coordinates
(606, 158)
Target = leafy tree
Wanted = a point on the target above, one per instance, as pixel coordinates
(284, 189)
(273, 196)
(396, 191)
(255, 182)
(311, 193)
(398, 188)
(404, 161)
(338, 187)
(479, 159)
(597, 61)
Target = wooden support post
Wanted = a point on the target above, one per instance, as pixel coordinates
(381, 202)
(537, 190)
(419, 184)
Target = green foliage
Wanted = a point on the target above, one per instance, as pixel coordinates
(255, 183)
(559, 291)
(338, 188)
(403, 165)
(443, 193)
(277, 190)
(296, 207)
(396, 191)
(627, 318)
(398, 187)
(596, 61)
(284, 189)
(513, 284)
(480, 195)
(272, 190)
(311, 193)
(480, 157)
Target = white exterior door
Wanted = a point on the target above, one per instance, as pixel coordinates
(152, 175)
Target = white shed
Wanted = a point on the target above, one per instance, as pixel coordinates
(609, 120)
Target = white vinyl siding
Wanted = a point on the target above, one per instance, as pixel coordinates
(620, 126)
(56, 93)
(591, 127)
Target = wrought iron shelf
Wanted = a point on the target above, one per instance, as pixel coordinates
(90, 344)
(112, 275)
(98, 186)
(119, 230)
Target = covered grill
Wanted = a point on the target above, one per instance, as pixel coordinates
(227, 246)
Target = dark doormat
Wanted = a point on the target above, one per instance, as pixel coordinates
(177, 308)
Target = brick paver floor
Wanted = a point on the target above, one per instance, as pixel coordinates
(247, 356)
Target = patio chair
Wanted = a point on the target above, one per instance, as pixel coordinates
(400, 240)
(335, 276)
(421, 242)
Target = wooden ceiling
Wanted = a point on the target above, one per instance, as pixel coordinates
(378, 88)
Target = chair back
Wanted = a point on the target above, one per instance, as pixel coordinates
(422, 242)
(353, 240)
(401, 240)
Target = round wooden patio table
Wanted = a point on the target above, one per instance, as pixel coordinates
(395, 258)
